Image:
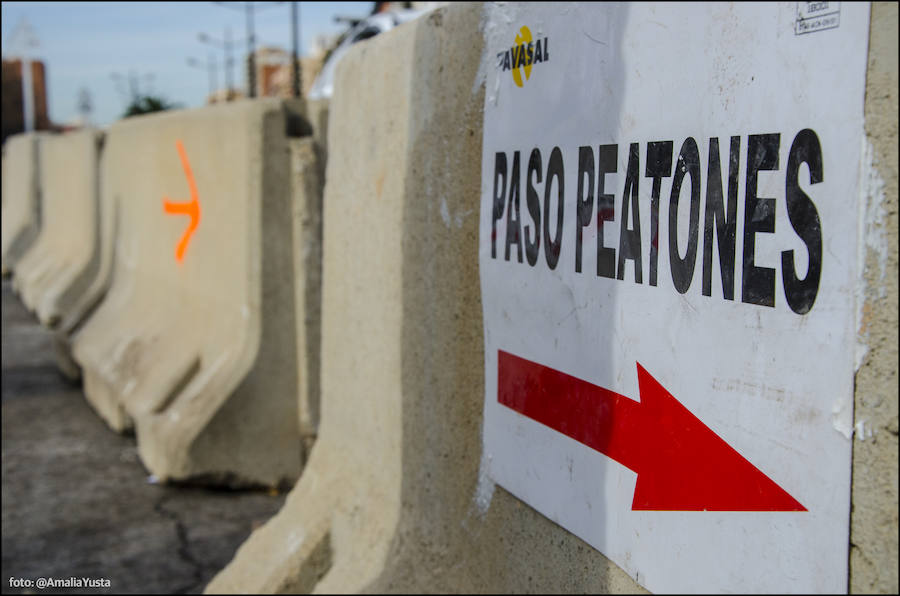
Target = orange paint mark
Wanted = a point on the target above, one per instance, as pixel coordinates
(190, 208)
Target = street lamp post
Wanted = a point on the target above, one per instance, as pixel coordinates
(226, 45)
(210, 66)
(229, 64)
(24, 39)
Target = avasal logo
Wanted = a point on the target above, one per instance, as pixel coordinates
(523, 55)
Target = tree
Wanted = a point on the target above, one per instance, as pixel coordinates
(147, 104)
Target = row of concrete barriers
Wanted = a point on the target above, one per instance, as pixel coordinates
(215, 302)
(161, 253)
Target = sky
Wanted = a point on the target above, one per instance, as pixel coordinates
(83, 43)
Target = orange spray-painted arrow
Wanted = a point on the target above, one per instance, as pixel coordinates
(190, 208)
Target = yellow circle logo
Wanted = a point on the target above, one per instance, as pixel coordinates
(525, 52)
(523, 40)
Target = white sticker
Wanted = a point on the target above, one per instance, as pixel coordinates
(668, 242)
(817, 16)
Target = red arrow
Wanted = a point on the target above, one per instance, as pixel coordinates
(681, 464)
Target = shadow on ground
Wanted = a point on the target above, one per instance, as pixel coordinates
(76, 500)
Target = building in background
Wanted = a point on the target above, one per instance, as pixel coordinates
(274, 75)
(273, 72)
(13, 105)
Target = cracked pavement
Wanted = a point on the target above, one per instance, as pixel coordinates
(76, 501)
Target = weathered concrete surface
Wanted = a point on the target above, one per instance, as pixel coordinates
(317, 112)
(65, 246)
(20, 218)
(200, 353)
(390, 499)
(307, 181)
(90, 287)
(75, 499)
(874, 528)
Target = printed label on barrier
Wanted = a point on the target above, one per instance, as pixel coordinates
(669, 262)
(817, 16)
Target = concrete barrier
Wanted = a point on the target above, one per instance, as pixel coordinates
(873, 517)
(89, 288)
(65, 247)
(21, 204)
(317, 112)
(390, 499)
(307, 181)
(194, 344)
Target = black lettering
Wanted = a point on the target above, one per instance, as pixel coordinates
(538, 57)
(659, 166)
(607, 160)
(513, 220)
(514, 51)
(801, 293)
(506, 60)
(720, 221)
(584, 205)
(554, 170)
(499, 172)
(546, 53)
(533, 247)
(530, 54)
(630, 240)
(683, 268)
(758, 283)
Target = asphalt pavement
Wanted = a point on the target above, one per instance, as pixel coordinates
(78, 503)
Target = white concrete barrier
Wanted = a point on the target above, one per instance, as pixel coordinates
(307, 181)
(21, 203)
(393, 497)
(390, 499)
(194, 343)
(66, 245)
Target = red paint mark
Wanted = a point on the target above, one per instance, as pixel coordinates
(190, 208)
(681, 464)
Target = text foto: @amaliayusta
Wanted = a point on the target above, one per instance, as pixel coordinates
(52, 582)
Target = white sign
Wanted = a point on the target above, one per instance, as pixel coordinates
(668, 257)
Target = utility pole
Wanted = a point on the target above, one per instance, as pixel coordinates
(295, 39)
(212, 73)
(251, 59)
(249, 7)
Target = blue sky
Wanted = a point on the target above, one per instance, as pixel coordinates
(82, 43)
